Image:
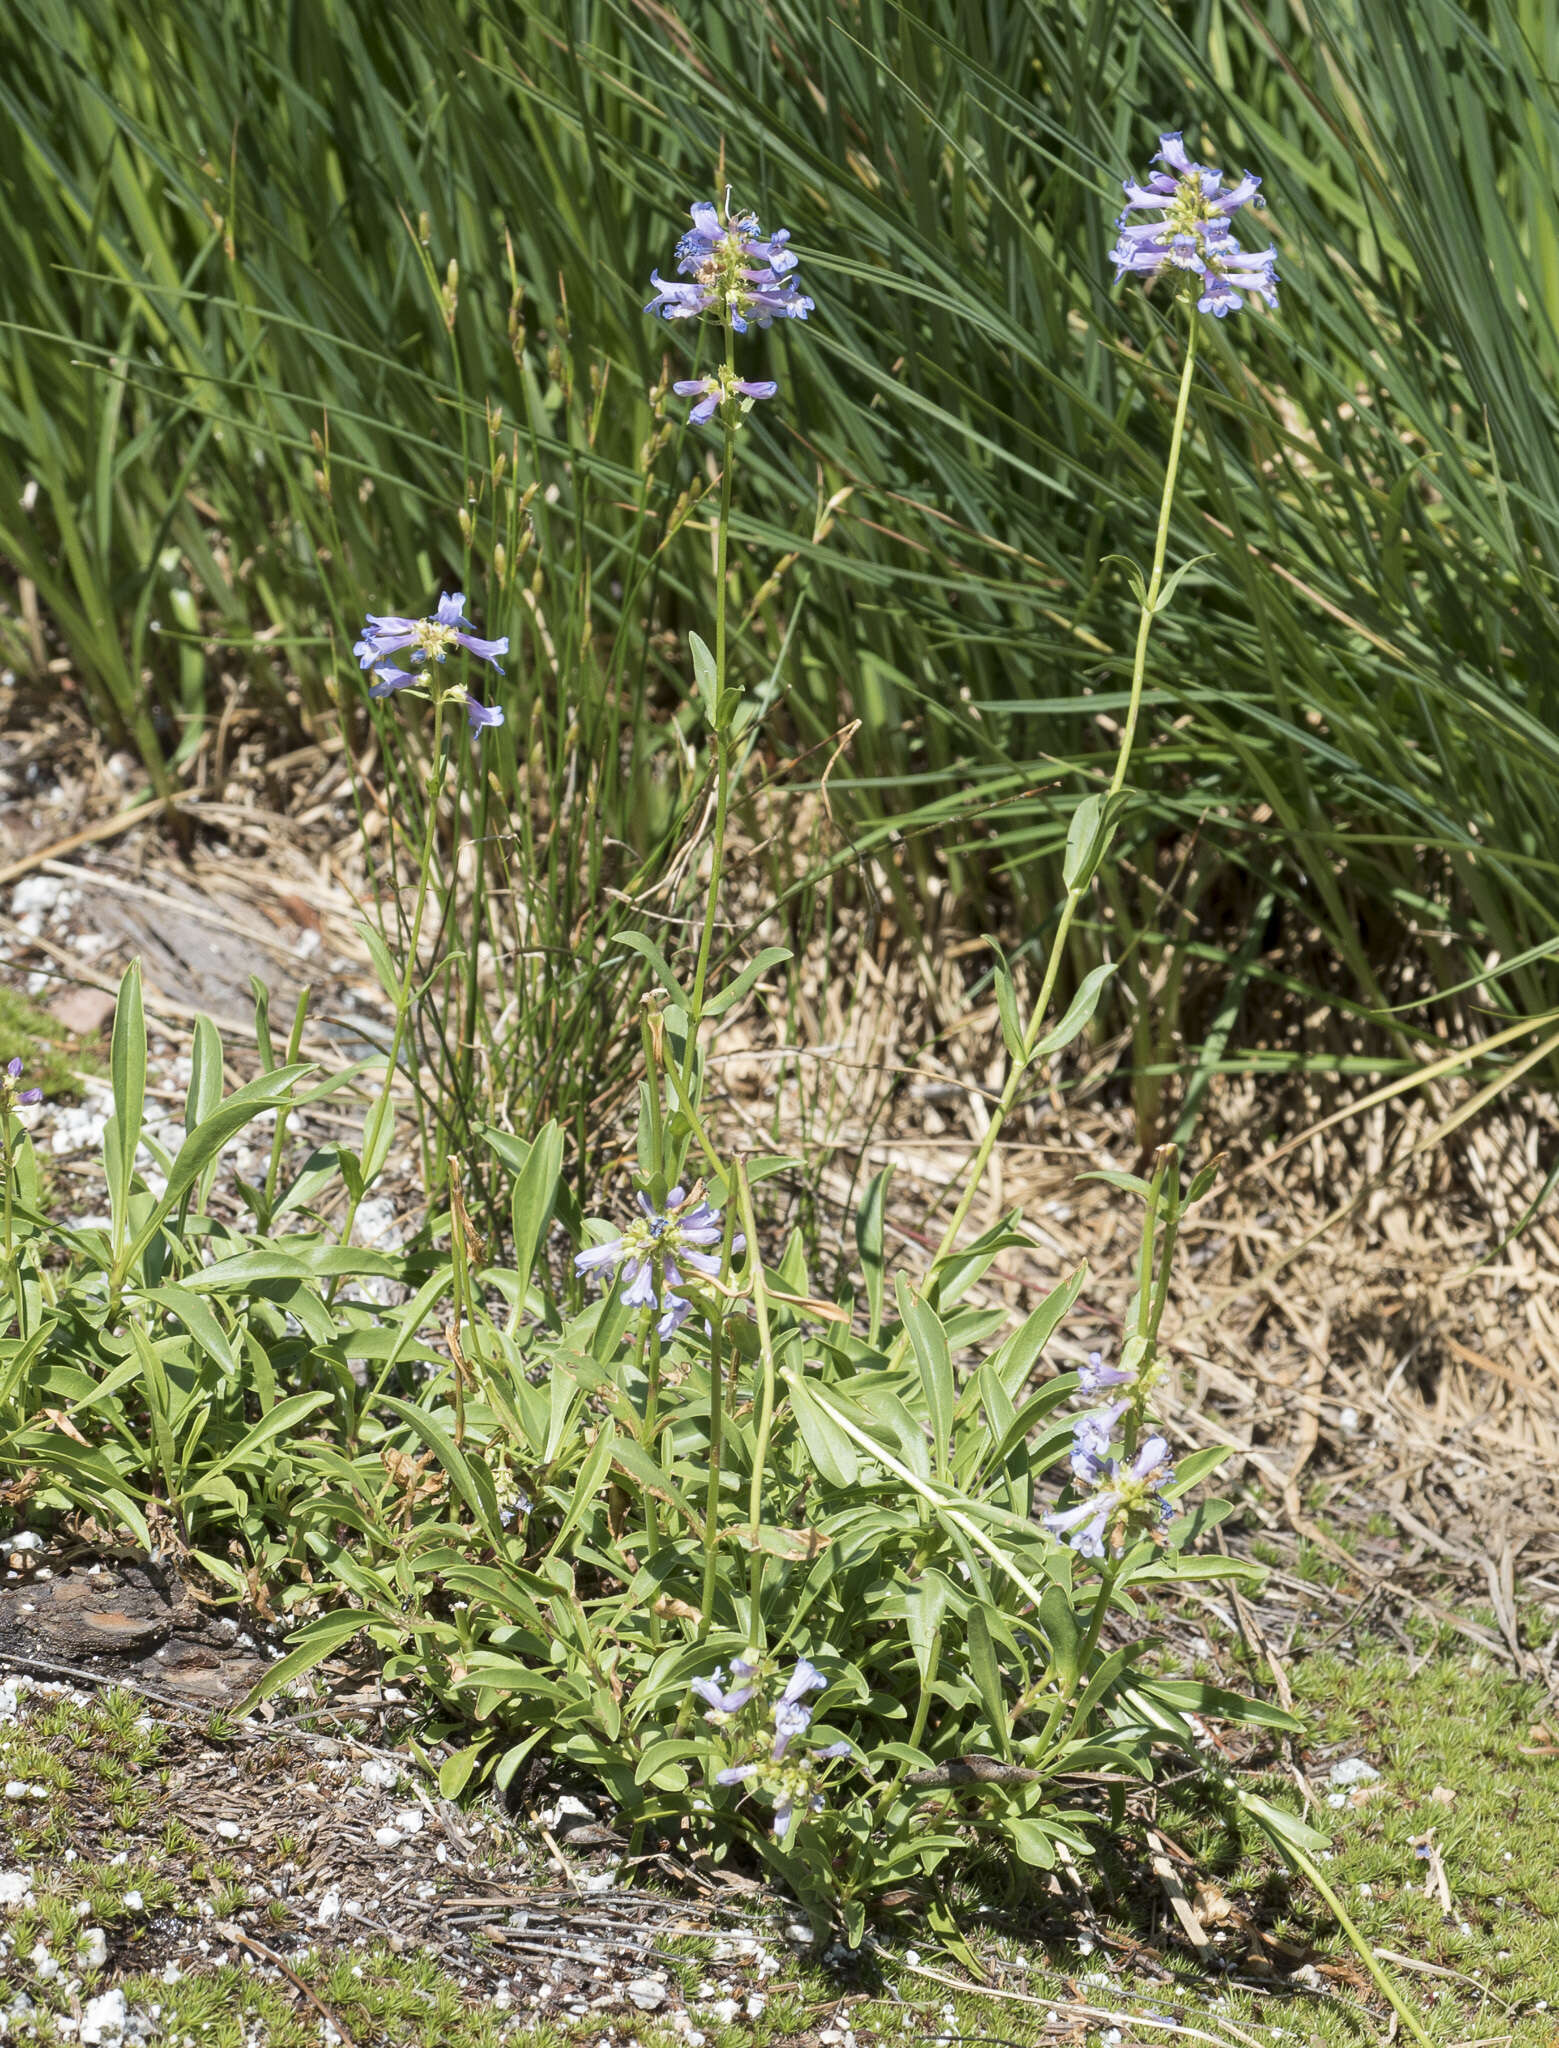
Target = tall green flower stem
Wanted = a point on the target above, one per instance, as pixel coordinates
(1308, 1868)
(765, 1407)
(1019, 1064)
(380, 1122)
(6, 1158)
(719, 724)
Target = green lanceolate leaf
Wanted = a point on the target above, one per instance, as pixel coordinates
(929, 1340)
(706, 676)
(925, 1602)
(986, 1672)
(1007, 1011)
(533, 1197)
(127, 1064)
(1172, 583)
(1079, 1012)
(205, 1143)
(312, 1644)
(829, 1448)
(870, 1239)
(205, 1073)
(732, 993)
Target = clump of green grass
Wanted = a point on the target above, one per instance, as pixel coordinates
(44, 1046)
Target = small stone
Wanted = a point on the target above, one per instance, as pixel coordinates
(1352, 1770)
(408, 1820)
(724, 2010)
(755, 2004)
(104, 2021)
(91, 1948)
(133, 1903)
(388, 1838)
(229, 1830)
(15, 1788)
(329, 1910)
(15, 1887)
(25, 1539)
(647, 1993)
(377, 1775)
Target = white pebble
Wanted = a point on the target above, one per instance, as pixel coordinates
(1352, 1770)
(103, 2023)
(91, 1948)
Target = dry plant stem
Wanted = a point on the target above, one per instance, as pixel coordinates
(1019, 1067)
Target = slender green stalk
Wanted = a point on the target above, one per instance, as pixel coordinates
(279, 1135)
(5, 1179)
(766, 1390)
(712, 1492)
(1018, 1067)
(376, 1127)
(1310, 1869)
(722, 741)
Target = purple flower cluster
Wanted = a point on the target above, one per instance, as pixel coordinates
(1192, 232)
(1128, 1491)
(787, 1781)
(12, 1097)
(427, 640)
(713, 392)
(679, 1238)
(732, 270)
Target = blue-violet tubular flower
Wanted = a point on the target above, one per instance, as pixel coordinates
(1189, 229)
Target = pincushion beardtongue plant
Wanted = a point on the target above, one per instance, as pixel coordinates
(725, 1476)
